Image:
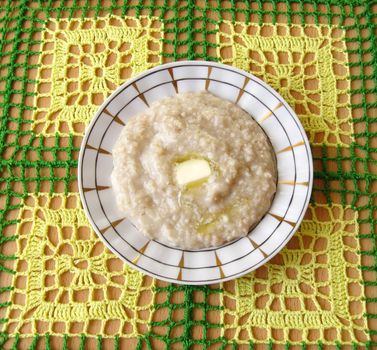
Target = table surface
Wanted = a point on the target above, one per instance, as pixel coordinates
(60, 287)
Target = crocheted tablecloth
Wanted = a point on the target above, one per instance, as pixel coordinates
(61, 289)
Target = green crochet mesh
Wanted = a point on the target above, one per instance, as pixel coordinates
(32, 163)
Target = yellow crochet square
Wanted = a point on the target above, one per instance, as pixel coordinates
(306, 65)
(67, 282)
(318, 273)
(83, 61)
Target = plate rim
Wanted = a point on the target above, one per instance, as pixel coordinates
(166, 66)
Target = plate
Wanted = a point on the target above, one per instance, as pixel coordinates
(217, 264)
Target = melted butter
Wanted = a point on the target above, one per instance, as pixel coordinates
(179, 160)
(209, 221)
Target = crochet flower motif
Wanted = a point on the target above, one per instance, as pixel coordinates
(314, 272)
(293, 269)
(67, 273)
(308, 68)
(84, 62)
(100, 74)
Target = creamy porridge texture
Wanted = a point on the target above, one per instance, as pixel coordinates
(193, 171)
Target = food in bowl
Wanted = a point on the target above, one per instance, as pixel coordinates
(193, 171)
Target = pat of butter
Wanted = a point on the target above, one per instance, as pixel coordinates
(191, 171)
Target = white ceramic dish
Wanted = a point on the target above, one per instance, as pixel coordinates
(217, 264)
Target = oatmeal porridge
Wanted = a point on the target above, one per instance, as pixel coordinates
(193, 171)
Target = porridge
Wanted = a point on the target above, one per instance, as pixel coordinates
(193, 171)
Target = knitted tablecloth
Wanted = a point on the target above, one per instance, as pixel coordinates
(61, 289)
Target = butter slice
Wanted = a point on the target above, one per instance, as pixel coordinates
(191, 171)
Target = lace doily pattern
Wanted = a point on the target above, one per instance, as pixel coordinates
(59, 286)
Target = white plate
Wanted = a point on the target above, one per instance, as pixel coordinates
(234, 259)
